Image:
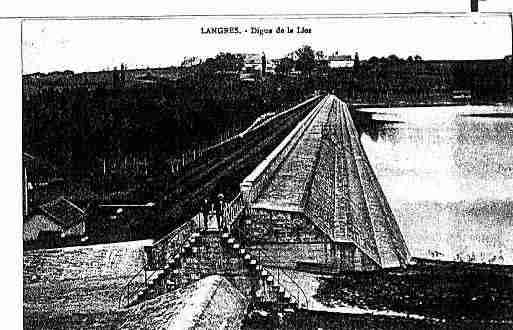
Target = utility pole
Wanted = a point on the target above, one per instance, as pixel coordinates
(25, 191)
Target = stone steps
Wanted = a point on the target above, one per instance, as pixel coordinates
(270, 293)
(198, 258)
(172, 275)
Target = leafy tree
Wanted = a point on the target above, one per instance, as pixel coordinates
(373, 60)
(228, 62)
(319, 55)
(393, 58)
(305, 59)
(356, 66)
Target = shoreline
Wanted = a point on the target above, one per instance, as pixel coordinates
(356, 106)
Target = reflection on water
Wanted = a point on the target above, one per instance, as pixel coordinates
(449, 179)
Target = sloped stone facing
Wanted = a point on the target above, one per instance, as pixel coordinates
(290, 181)
(253, 184)
(398, 243)
(320, 207)
(342, 218)
(382, 232)
(320, 198)
(360, 229)
(387, 235)
(327, 177)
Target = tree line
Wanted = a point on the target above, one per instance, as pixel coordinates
(76, 128)
(403, 80)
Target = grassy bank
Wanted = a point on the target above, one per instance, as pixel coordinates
(447, 291)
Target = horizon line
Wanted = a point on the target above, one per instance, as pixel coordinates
(179, 66)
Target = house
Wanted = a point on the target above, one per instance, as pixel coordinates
(340, 61)
(57, 218)
(252, 61)
(252, 67)
(256, 64)
(38, 178)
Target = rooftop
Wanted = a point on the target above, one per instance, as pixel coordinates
(340, 58)
(63, 211)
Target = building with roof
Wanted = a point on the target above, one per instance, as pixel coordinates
(315, 200)
(58, 218)
(255, 65)
(340, 61)
(38, 175)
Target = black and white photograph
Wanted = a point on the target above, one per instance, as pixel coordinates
(341, 169)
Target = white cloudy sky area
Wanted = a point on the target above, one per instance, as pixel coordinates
(92, 45)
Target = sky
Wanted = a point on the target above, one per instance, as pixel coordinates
(92, 45)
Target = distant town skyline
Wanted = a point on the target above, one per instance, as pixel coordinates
(95, 45)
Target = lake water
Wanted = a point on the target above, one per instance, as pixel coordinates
(448, 177)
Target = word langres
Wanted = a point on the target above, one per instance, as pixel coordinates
(220, 30)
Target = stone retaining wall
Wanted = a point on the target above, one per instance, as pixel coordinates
(289, 254)
(280, 226)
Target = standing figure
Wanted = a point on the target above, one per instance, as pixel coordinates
(220, 197)
(218, 206)
(205, 208)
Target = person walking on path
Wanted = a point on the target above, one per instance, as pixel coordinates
(219, 212)
(205, 209)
